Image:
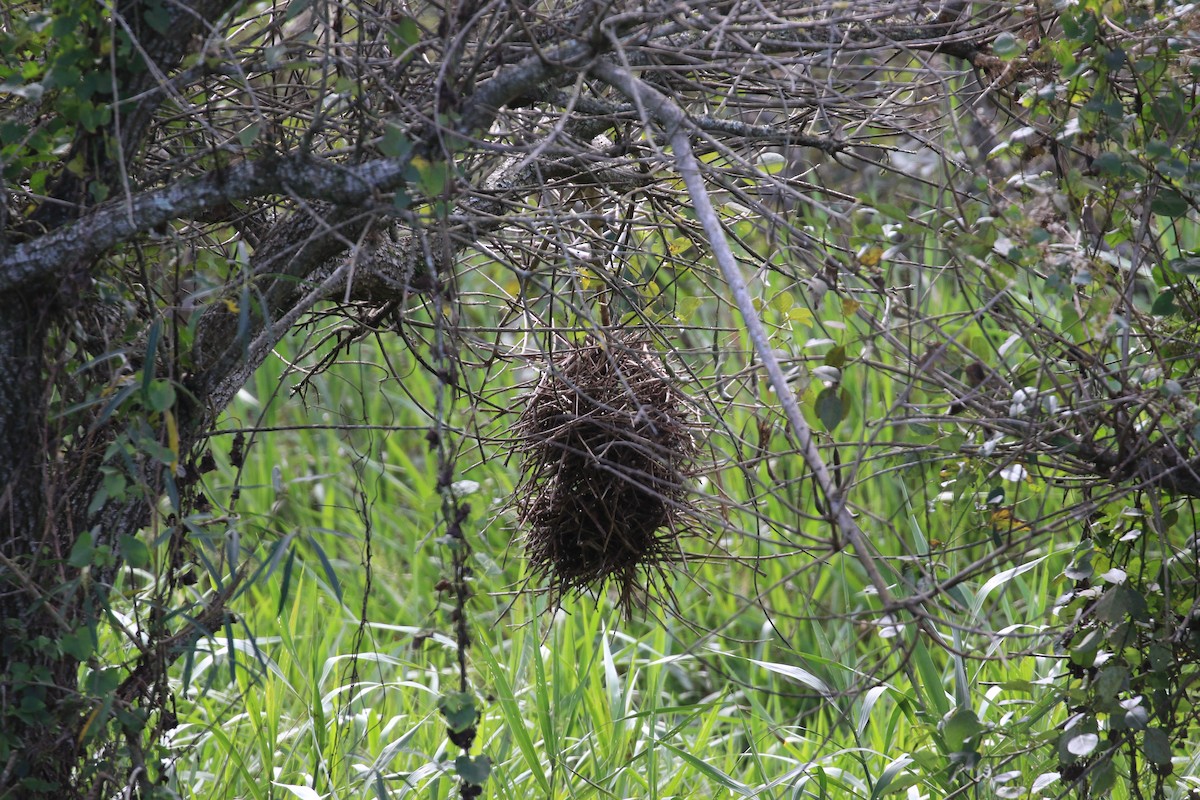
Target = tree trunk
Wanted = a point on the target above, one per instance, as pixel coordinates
(39, 707)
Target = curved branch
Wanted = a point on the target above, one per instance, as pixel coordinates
(45, 257)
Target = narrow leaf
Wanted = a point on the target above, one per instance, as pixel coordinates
(797, 674)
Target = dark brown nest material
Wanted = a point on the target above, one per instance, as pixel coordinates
(608, 450)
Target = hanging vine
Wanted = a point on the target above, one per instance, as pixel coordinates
(459, 708)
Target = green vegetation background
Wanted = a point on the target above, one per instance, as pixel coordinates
(768, 675)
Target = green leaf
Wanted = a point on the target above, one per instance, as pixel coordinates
(134, 551)
(82, 551)
(434, 177)
(1162, 659)
(1169, 112)
(160, 395)
(79, 644)
(1081, 568)
(771, 163)
(1109, 164)
(102, 682)
(394, 144)
(98, 191)
(327, 565)
(157, 17)
(1000, 579)
(459, 710)
(1188, 265)
(249, 134)
(797, 674)
(783, 302)
(836, 357)
(1084, 653)
(1164, 304)
(512, 711)
(295, 9)
(887, 782)
(931, 691)
(114, 482)
(155, 450)
(1104, 777)
(962, 726)
(286, 581)
(150, 358)
(1111, 680)
(473, 770)
(1120, 601)
(1169, 203)
(407, 31)
(1008, 47)
(831, 407)
(715, 774)
(1157, 747)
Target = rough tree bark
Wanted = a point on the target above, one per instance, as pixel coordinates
(48, 476)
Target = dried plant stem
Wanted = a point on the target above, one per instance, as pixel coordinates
(654, 105)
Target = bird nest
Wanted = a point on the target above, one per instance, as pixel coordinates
(607, 448)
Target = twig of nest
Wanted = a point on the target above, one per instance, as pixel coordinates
(608, 451)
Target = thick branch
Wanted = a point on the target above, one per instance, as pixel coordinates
(298, 174)
(528, 78)
(47, 256)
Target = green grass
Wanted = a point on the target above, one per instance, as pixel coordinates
(773, 676)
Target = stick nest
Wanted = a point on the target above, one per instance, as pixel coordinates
(607, 445)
